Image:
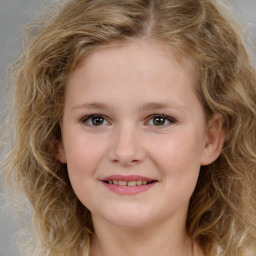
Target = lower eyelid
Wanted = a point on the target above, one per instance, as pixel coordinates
(90, 117)
(167, 118)
(85, 119)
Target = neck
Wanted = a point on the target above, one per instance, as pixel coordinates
(163, 239)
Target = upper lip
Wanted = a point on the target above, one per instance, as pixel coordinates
(127, 178)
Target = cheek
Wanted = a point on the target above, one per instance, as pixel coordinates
(83, 156)
(179, 157)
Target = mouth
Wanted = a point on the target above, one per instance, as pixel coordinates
(131, 183)
(128, 185)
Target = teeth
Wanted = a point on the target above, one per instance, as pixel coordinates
(132, 183)
(139, 182)
(122, 183)
(128, 183)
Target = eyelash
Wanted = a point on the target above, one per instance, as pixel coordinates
(164, 118)
(87, 118)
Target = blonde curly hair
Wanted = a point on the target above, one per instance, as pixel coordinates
(222, 211)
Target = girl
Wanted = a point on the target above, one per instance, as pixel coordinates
(136, 130)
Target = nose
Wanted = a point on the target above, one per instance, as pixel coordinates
(127, 147)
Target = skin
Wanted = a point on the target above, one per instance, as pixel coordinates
(125, 86)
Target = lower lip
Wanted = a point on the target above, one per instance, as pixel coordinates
(128, 190)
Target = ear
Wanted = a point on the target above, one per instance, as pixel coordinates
(60, 152)
(214, 140)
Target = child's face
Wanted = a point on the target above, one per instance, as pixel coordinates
(132, 114)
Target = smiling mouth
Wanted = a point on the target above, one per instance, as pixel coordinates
(132, 183)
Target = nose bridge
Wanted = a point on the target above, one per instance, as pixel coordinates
(127, 145)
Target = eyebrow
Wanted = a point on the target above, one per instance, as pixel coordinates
(157, 106)
(147, 106)
(90, 106)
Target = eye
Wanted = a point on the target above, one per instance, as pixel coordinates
(95, 120)
(160, 120)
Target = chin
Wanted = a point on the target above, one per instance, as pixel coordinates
(130, 223)
(129, 219)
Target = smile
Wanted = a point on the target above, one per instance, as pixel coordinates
(129, 183)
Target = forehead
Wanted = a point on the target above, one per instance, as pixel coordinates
(137, 71)
(134, 50)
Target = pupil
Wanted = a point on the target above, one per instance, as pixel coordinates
(159, 121)
(97, 120)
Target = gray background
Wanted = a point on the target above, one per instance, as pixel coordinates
(13, 15)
